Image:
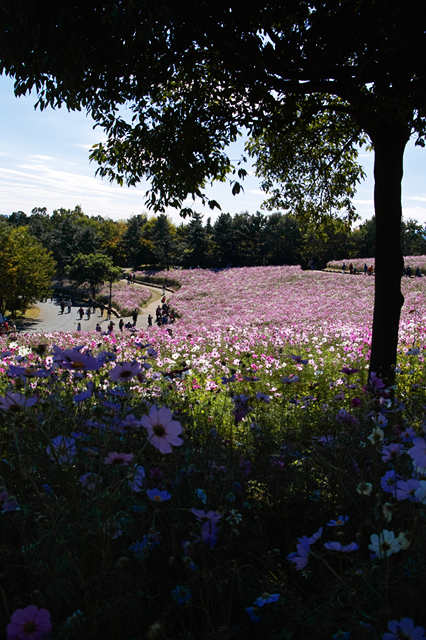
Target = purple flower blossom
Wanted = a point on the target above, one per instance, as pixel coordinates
(125, 371)
(404, 629)
(210, 516)
(62, 450)
(418, 452)
(16, 401)
(388, 481)
(90, 480)
(266, 598)
(301, 556)
(339, 522)
(252, 614)
(391, 451)
(298, 359)
(181, 594)
(158, 496)
(30, 623)
(336, 546)
(406, 490)
(376, 382)
(74, 360)
(137, 481)
(209, 534)
(121, 459)
(10, 504)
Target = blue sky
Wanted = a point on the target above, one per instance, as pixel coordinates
(44, 162)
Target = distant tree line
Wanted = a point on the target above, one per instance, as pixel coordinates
(243, 239)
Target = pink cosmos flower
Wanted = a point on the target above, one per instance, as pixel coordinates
(162, 430)
(30, 623)
(124, 371)
(121, 459)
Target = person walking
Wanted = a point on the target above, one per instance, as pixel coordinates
(88, 312)
(121, 324)
(69, 306)
(150, 320)
(78, 326)
(135, 317)
(62, 306)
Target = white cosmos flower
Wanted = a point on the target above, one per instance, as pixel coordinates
(384, 544)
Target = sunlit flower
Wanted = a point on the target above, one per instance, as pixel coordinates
(125, 371)
(76, 361)
(162, 430)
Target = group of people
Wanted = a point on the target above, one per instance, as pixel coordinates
(164, 314)
(131, 278)
(406, 271)
(7, 327)
(368, 270)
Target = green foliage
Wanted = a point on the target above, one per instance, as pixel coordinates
(93, 269)
(308, 165)
(26, 269)
(278, 473)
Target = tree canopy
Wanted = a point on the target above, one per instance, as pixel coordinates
(26, 269)
(93, 269)
(196, 73)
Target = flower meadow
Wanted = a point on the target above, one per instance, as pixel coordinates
(358, 263)
(234, 475)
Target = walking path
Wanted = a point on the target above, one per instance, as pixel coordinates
(51, 319)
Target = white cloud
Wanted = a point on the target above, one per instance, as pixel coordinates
(42, 157)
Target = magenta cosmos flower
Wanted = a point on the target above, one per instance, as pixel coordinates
(30, 623)
(121, 459)
(162, 430)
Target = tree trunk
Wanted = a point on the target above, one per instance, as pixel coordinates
(389, 143)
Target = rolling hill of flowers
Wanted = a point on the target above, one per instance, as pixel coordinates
(233, 475)
(358, 263)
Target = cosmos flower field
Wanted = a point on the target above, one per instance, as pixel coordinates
(207, 479)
